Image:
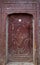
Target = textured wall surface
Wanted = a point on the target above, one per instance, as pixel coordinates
(18, 6)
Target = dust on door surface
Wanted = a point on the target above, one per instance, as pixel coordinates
(20, 37)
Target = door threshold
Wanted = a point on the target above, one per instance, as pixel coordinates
(20, 63)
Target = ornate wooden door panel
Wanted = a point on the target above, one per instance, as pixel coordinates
(20, 37)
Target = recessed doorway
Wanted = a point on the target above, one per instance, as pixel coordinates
(19, 36)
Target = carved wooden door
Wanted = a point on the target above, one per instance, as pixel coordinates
(20, 37)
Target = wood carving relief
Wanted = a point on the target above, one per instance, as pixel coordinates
(20, 36)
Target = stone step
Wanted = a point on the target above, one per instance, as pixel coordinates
(20, 63)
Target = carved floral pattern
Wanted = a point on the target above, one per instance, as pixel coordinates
(20, 39)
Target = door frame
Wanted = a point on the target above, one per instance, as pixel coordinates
(34, 44)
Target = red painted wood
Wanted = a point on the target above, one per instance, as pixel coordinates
(20, 37)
